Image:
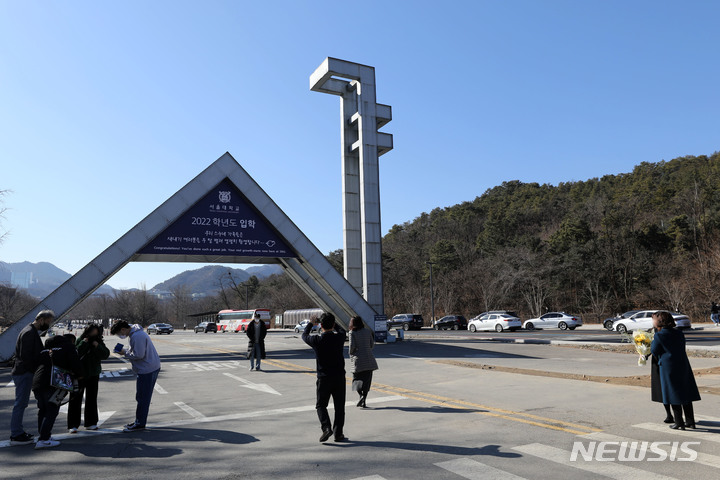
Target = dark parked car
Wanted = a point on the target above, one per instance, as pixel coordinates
(455, 322)
(205, 327)
(406, 321)
(158, 328)
(608, 322)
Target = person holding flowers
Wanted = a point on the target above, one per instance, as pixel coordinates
(677, 381)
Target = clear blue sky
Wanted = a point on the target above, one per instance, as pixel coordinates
(108, 108)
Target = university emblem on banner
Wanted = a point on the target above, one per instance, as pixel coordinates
(224, 197)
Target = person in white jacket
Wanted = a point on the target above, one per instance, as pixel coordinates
(145, 363)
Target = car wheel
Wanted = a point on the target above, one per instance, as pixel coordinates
(472, 328)
(297, 330)
(456, 327)
(406, 326)
(529, 326)
(562, 326)
(436, 327)
(498, 328)
(608, 326)
(622, 328)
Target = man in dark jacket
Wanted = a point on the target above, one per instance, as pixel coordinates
(256, 332)
(330, 365)
(27, 357)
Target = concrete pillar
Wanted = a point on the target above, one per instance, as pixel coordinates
(361, 117)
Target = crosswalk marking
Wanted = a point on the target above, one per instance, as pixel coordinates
(472, 470)
(702, 458)
(607, 469)
(160, 389)
(709, 436)
(189, 410)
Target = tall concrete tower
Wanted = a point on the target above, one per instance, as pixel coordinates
(362, 145)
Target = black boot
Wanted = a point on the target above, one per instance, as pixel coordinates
(668, 416)
(689, 415)
(677, 411)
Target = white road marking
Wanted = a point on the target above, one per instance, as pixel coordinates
(11, 384)
(160, 389)
(189, 410)
(607, 469)
(702, 458)
(709, 436)
(221, 418)
(405, 356)
(260, 387)
(102, 416)
(473, 470)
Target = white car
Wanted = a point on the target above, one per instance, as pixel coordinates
(642, 320)
(560, 320)
(494, 321)
(300, 327)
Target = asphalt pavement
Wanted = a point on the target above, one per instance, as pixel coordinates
(434, 413)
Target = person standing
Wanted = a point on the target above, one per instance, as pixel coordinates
(145, 363)
(256, 332)
(92, 352)
(676, 376)
(59, 352)
(27, 358)
(715, 313)
(362, 360)
(330, 366)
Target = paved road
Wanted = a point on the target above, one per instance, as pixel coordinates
(432, 414)
(700, 335)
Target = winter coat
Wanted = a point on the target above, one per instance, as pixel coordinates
(676, 375)
(91, 357)
(250, 332)
(64, 355)
(361, 356)
(27, 351)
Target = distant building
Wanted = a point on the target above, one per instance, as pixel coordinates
(21, 279)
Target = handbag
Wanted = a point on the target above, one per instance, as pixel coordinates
(62, 379)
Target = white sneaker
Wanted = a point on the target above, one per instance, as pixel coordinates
(46, 444)
(91, 427)
(72, 430)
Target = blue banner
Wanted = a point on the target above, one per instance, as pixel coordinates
(221, 223)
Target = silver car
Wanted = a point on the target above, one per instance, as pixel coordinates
(560, 320)
(642, 320)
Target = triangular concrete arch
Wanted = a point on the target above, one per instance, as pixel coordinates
(146, 241)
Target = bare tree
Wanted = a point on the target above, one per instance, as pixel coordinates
(181, 300)
(3, 210)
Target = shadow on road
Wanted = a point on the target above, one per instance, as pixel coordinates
(489, 450)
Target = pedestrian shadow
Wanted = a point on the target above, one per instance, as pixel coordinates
(487, 450)
(150, 443)
(433, 409)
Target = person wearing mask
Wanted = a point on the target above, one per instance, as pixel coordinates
(330, 366)
(92, 352)
(256, 332)
(27, 358)
(677, 381)
(145, 363)
(362, 360)
(715, 313)
(59, 352)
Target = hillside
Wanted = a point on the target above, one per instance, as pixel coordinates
(38, 279)
(206, 280)
(649, 237)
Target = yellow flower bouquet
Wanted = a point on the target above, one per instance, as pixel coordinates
(642, 339)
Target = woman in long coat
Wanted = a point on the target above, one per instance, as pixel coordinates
(676, 376)
(362, 360)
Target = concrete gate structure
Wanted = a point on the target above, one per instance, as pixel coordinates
(362, 145)
(221, 216)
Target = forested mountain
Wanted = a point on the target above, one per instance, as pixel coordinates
(650, 238)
